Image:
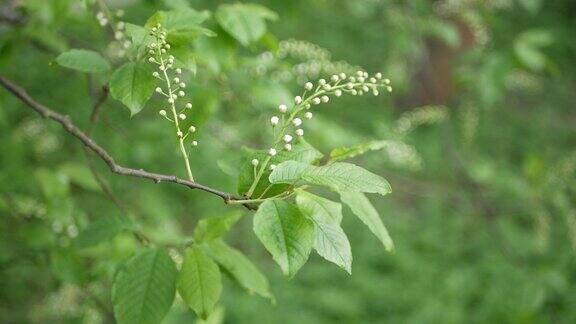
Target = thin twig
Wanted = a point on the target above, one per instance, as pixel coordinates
(66, 122)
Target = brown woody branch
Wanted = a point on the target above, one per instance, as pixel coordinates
(67, 124)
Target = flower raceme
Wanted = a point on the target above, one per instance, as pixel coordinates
(290, 123)
(172, 89)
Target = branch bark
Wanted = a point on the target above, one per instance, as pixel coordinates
(69, 126)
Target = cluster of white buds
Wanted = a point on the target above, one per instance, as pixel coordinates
(291, 120)
(173, 88)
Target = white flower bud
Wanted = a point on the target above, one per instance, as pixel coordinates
(338, 93)
(283, 108)
(360, 92)
(118, 35)
(182, 116)
(178, 70)
(162, 112)
(192, 129)
(288, 147)
(151, 60)
(308, 115)
(375, 92)
(300, 132)
(272, 151)
(120, 25)
(155, 74)
(167, 46)
(163, 50)
(255, 162)
(126, 44)
(182, 85)
(352, 79)
(189, 105)
(298, 100)
(342, 76)
(171, 100)
(378, 75)
(162, 67)
(372, 80)
(327, 87)
(272, 167)
(176, 79)
(194, 143)
(174, 96)
(387, 81)
(325, 99)
(316, 101)
(365, 75)
(308, 86)
(274, 120)
(322, 82)
(349, 86)
(297, 122)
(359, 73)
(361, 79)
(179, 134)
(181, 93)
(354, 92)
(287, 138)
(103, 22)
(365, 88)
(307, 106)
(158, 90)
(335, 77)
(389, 88)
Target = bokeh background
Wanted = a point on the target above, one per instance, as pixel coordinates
(481, 154)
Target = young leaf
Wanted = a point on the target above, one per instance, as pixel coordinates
(215, 227)
(83, 60)
(362, 208)
(239, 267)
(199, 282)
(285, 233)
(245, 22)
(132, 84)
(301, 152)
(330, 240)
(339, 176)
(144, 289)
(343, 153)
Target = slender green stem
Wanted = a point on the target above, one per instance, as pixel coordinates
(175, 115)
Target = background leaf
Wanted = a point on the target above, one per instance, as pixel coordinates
(245, 22)
(144, 288)
(239, 267)
(199, 282)
(84, 61)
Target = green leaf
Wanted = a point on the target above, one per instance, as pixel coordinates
(79, 174)
(199, 282)
(215, 227)
(330, 240)
(101, 230)
(133, 84)
(301, 152)
(343, 153)
(239, 267)
(245, 22)
(324, 210)
(144, 289)
(83, 60)
(529, 46)
(181, 19)
(140, 38)
(339, 176)
(362, 207)
(285, 233)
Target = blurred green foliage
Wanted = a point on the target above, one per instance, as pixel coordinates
(483, 212)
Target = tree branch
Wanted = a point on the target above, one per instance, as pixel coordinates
(66, 122)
